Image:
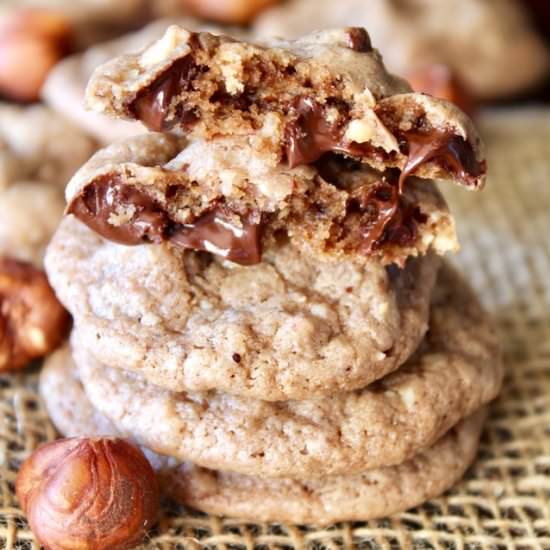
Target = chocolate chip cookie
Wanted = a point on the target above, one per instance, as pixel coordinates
(221, 197)
(455, 371)
(367, 495)
(65, 86)
(294, 101)
(290, 327)
(479, 40)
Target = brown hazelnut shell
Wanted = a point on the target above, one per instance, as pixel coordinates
(88, 494)
(32, 321)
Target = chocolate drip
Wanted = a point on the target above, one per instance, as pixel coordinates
(383, 202)
(119, 212)
(123, 214)
(310, 135)
(358, 40)
(152, 105)
(449, 150)
(215, 232)
(392, 220)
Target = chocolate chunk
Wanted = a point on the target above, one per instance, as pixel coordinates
(451, 151)
(217, 233)
(359, 40)
(123, 214)
(310, 135)
(383, 203)
(119, 212)
(152, 105)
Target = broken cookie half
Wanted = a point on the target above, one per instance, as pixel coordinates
(221, 197)
(294, 101)
(310, 140)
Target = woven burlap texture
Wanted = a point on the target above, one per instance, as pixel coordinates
(504, 502)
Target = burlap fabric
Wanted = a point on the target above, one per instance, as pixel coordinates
(504, 502)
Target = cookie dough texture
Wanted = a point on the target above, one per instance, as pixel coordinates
(330, 210)
(478, 39)
(292, 326)
(455, 371)
(228, 87)
(37, 144)
(371, 494)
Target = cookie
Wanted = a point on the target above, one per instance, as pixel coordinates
(89, 18)
(220, 196)
(455, 371)
(37, 144)
(369, 495)
(360, 497)
(64, 88)
(29, 215)
(290, 327)
(66, 403)
(413, 35)
(295, 101)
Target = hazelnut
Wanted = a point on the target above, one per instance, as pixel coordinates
(32, 321)
(228, 11)
(88, 494)
(32, 41)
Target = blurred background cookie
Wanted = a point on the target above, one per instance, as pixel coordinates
(37, 144)
(478, 40)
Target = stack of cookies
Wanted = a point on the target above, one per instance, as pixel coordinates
(256, 283)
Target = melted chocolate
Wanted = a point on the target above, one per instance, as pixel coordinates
(102, 201)
(105, 200)
(359, 40)
(392, 221)
(214, 232)
(451, 151)
(310, 135)
(383, 202)
(152, 105)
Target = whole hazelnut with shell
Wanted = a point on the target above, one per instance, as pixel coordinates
(88, 494)
(32, 321)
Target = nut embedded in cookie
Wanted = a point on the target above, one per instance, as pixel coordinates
(32, 321)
